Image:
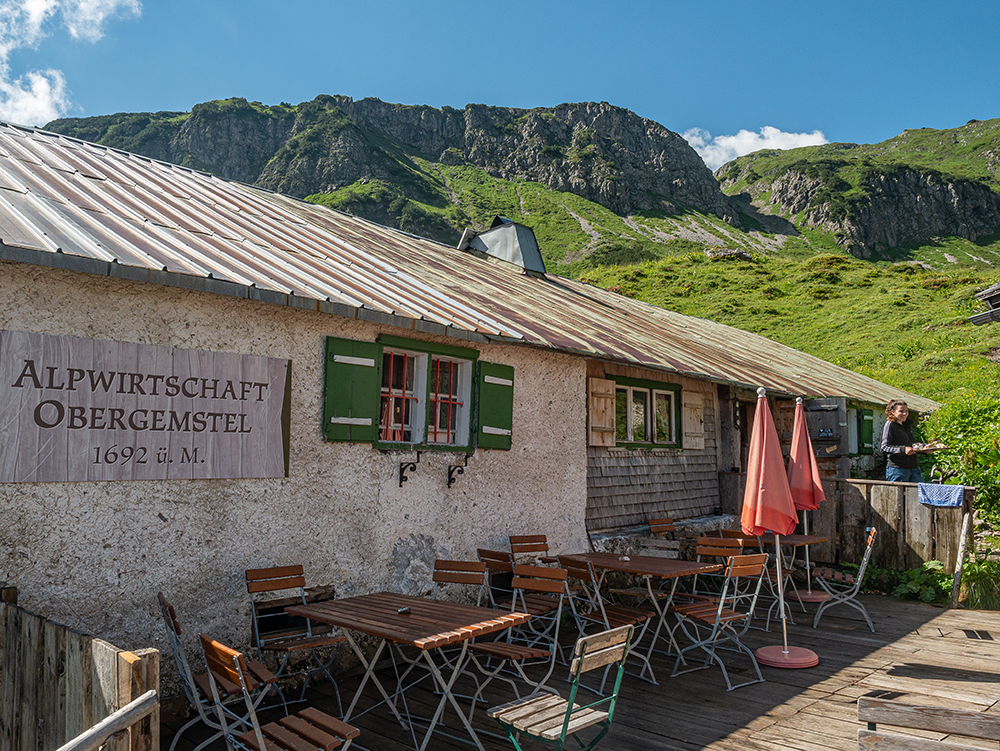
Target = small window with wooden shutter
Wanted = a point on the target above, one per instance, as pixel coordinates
(601, 412)
(693, 419)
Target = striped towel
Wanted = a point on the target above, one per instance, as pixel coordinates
(931, 494)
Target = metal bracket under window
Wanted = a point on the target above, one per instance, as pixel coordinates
(405, 467)
(457, 469)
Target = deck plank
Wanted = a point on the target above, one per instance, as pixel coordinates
(920, 654)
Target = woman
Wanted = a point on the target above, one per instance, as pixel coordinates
(897, 445)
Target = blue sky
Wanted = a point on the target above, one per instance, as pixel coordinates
(783, 73)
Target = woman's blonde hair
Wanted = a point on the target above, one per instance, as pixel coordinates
(891, 407)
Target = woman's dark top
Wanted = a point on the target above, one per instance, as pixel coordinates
(895, 439)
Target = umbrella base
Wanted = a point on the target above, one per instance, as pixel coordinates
(793, 658)
(809, 596)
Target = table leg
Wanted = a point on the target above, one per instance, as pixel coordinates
(370, 673)
(662, 610)
(448, 696)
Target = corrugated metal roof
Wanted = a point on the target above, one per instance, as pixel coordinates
(64, 202)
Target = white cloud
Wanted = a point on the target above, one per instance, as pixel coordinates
(721, 149)
(37, 96)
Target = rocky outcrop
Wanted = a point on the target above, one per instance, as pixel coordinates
(892, 208)
(603, 153)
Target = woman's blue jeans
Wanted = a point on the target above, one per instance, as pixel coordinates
(898, 474)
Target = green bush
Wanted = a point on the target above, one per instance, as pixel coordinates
(929, 583)
(981, 583)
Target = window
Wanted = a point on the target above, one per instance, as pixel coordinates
(645, 415)
(401, 391)
(412, 409)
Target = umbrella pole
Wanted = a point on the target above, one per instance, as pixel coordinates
(805, 531)
(781, 593)
(784, 656)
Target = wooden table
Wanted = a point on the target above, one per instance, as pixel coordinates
(429, 625)
(649, 568)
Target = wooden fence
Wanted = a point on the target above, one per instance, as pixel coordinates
(909, 533)
(55, 683)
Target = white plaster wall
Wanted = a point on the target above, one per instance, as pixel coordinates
(94, 555)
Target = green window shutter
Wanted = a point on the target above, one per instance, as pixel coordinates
(496, 405)
(866, 431)
(351, 391)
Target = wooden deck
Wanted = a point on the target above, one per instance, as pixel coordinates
(920, 653)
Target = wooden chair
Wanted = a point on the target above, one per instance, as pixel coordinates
(535, 644)
(590, 609)
(271, 590)
(711, 550)
(662, 542)
(961, 722)
(196, 688)
(499, 570)
(552, 719)
(844, 588)
(467, 573)
(306, 730)
(530, 549)
(710, 624)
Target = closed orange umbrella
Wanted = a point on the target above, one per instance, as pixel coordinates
(768, 507)
(767, 500)
(803, 471)
(807, 488)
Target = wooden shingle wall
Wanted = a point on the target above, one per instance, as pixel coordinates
(625, 487)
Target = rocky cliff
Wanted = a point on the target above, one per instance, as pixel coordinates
(602, 153)
(913, 189)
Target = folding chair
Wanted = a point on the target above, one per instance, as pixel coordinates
(533, 645)
(468, 573)
(274, 633)
(711, 550)
(499, 565)
(550, 718)
(306, 730)
(196, 688)
(589, 609)
(711, 624)
(530, 549)
(844, 588)
(662, 542)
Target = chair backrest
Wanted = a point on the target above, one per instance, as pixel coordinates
(543, 579)
(471, 573)
(662, 526)
(183, 667)
(864, 561)
(964, 722)
(744, 574)
(717, 547)
(496, 561)
(270, 622)
(275, 579)
(227, 669)
(528, 546)
(592, 652)
(733, 534)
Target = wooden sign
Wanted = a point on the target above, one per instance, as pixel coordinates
(85, 409)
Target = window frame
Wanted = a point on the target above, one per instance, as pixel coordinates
(426, 353)
(652, 388)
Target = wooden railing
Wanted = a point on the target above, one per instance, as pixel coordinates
(119, 722)
(909, 532)
(57, 683)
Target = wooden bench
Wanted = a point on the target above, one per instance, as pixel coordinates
(948, 722)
